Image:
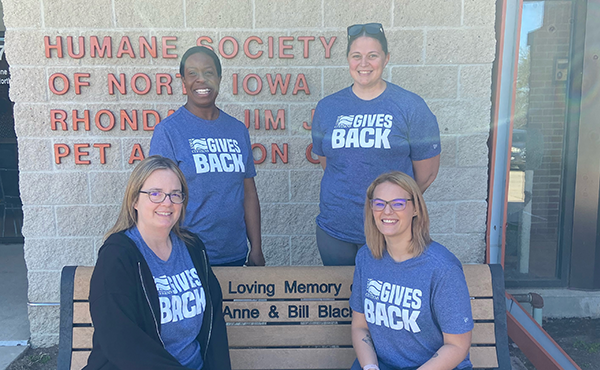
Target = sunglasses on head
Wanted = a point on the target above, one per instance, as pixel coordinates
(369, 28)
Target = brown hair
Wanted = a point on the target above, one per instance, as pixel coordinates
(420, 223)
(128, 214)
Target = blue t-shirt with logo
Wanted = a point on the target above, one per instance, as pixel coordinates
(215, 157)
(181, 297)
(361, 140)
(409, 304)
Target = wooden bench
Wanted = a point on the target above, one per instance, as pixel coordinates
(292, 317)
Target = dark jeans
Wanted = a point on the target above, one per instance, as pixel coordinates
(234, 263)
(335, 252)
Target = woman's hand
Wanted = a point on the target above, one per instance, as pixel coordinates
(453, 352)
(362, 342)
(252, 218)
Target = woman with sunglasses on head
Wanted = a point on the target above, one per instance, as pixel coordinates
(214, 152)
(410, 301)
(154, 300)
(362, 131)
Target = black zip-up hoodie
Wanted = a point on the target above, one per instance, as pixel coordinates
(126, 314)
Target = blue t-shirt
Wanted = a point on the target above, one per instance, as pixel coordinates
(409, 304)
(361, 140)
(181, 297)
(215, 157)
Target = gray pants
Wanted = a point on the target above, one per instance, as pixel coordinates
(335, 252)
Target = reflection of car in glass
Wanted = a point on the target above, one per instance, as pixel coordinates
(517, 151)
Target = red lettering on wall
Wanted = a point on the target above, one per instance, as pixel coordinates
(48, 47)
(121, 84)
(305, 124)
(166, 47)
(278, 82)
(247, 47)
(146, 119)
(111, 120)
(283, 47)
(60, 151)
(166, 83)
(52, 82)
(271, 53)
(144, 46)
(137, 154)
(85, 120)
(270, 121)
(327, 45)
(276, 152)
(236, 47)
(127, 120)
(301, 84)
(106, 48)
(309, 156)
(263, 153)
(306, 40)
(171, 111)
(235, 84)
(78, 153)
(102, 148)
(78, 83)
(134, 81)
(58, 116)
(81, 47)
(125, 48)
(258, 84)
(256, 119)
(200, 42)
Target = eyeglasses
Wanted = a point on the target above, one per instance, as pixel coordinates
(396, 204)
(370, 28)
(156, 196)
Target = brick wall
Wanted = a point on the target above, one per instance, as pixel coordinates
(440, 50)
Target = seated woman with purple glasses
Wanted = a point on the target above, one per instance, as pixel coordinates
(410, 302)
(362, 131)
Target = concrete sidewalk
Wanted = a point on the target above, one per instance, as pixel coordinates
(14, 324)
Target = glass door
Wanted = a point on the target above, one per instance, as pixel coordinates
(537, 153)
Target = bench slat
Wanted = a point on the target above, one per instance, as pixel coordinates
(82, 338)
(79, 359)
(81, 288)
(483, 309)
(299, 282)
(484, 333)
(484, 357)
(288, 335)
(294, 311)
(479, 280)
(81, 313)
(317, 335)
(481, 357)
(297, 358)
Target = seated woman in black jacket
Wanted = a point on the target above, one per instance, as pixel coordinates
(154, 300)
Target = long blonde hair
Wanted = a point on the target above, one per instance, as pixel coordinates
(128, 214)
(420, 223)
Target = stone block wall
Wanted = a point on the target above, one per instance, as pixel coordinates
(442, 50)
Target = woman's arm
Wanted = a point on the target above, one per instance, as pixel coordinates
(362, 342)
(252, 218)
(453, 352)
(426, 171)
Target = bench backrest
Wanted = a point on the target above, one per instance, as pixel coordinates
(293, 317)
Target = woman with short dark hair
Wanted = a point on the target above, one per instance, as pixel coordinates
(214, 152)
